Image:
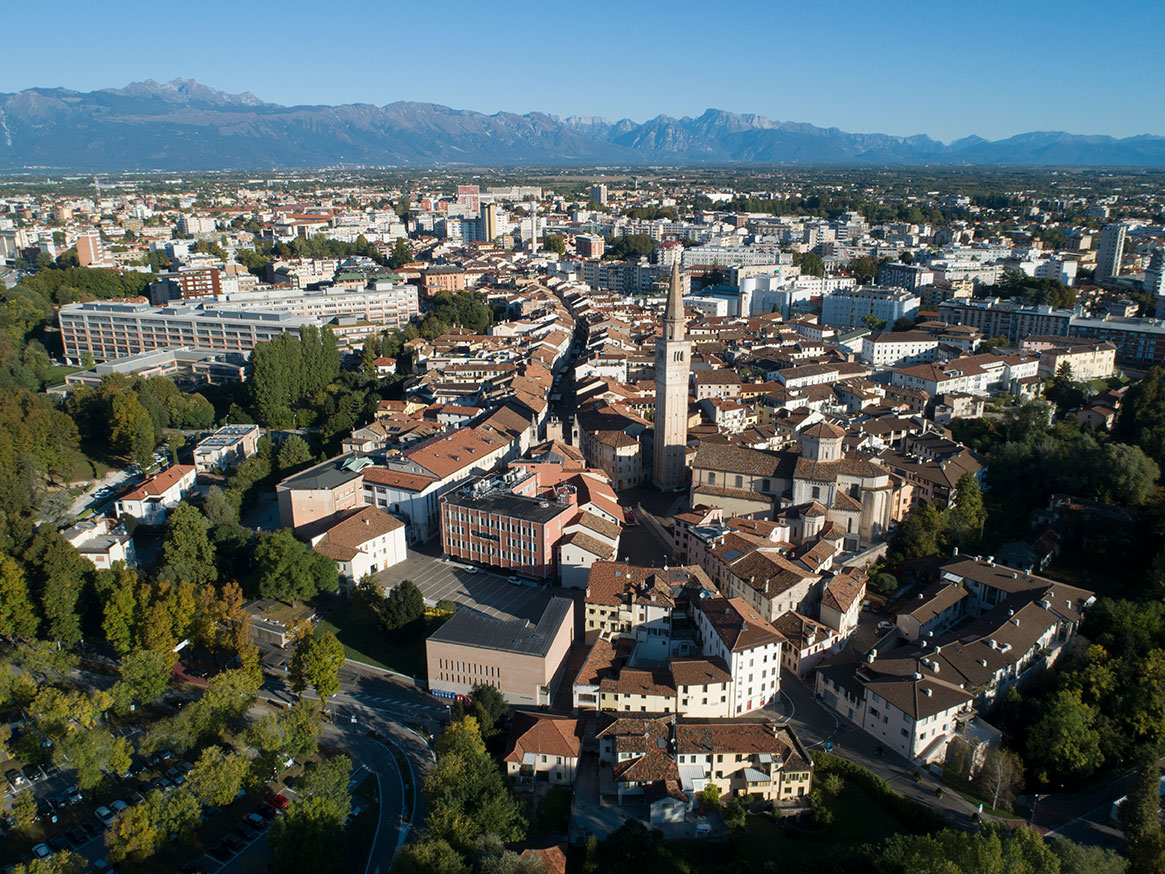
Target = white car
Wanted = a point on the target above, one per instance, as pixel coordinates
(885, 625)
(104, 814)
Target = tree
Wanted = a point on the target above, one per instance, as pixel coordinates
(488, 706)
(90, 753)
(999, 776)
(131, 430)
(1065, 739)
(187, 549)
(301, 727)
(147, 673)
(1140, 814)
(289, 571)
(404, 605)
(812, 265)
(466, 793)
(966, 516)
(1128, 475)
(555, 243)
(1085, 859)
(429, 857)
(920, 533)
(400, 255)
(711, 796)
(220, 509)
(992, 850)
(317, 661)
(402, 207)
(217, 776)
(305, 838)
(293, 453)
(24, 809)
(17, 614)
(58, 575)
(873, 322)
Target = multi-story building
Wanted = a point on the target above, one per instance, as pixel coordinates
(103, 541)
(1109, 251)
(590, 245)
(500, 522)
(898, 349)
(91, 251)
(894, 274)
(522, 660)
(673, 355)
(115, 329)
(442, 277)
(383, 302)
(226, 447)
(1087, 361)
(731, 630)
(847, 308)
(361, 541)
(187, 283)
(151, 501)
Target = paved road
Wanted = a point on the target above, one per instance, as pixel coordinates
(484, 590)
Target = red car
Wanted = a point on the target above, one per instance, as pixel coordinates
(629, 516)
(279, 802)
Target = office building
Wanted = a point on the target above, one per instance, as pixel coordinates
(105, 330)
(492, 522)
(522, 660)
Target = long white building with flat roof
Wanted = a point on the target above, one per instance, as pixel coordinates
(389, 305)
(115, 329)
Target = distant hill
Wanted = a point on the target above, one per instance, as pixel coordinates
(182, 125)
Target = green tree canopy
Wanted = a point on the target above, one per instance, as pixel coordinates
(289, 570)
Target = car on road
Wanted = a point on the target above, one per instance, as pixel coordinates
(629, 517)
(104, 814)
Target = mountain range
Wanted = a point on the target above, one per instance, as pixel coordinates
(183, 125)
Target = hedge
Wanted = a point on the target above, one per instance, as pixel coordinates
(915, 817)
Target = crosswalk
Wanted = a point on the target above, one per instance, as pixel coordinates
(397, 704)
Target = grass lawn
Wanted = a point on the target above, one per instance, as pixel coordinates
(365, 640)
(857, 820)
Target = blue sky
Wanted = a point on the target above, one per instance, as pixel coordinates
(943, 68)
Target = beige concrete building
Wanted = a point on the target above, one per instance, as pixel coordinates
(522, 660)
(673, 360)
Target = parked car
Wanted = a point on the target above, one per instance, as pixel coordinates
(221, 851)
(514, 581)
(279, 802)
(136, 798)
(118, 806)
(74, 795)
(91, 827)
(267, 811)
(885, 625)
(104, 814)
(76, 836)
(256, 821)
(42, 851)
(45, 812)
(15, 779)
(58, 843)
(234, 843)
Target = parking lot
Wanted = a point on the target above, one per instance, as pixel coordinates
(479, 588)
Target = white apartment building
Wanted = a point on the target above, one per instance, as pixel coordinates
(847, 308)
(899, 349)
(151, 501)
(731, 630)
(226, 447)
